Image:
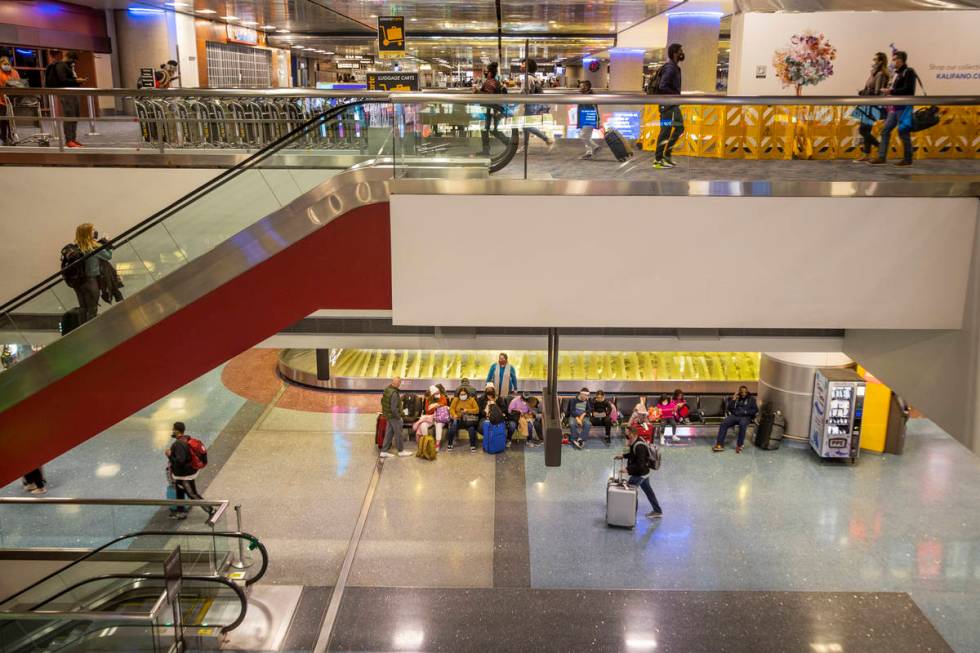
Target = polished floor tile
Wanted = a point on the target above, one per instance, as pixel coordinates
(503, 620)
(430, 524)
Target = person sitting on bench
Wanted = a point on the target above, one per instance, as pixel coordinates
(742, 409)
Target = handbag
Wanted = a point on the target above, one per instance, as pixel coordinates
(470, 419)
(925, 118)
(442, 415)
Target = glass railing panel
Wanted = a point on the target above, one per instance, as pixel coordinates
(66, 632)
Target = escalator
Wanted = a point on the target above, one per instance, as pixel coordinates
(76, 609)
(220, 270)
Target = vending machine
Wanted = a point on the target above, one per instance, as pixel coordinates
(835, 414)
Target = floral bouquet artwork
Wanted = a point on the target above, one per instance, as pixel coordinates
(807, 61)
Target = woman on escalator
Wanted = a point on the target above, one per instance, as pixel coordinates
(87, 286)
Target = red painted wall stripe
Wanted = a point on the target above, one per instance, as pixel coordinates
(344, 265)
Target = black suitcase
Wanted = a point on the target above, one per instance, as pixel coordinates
(770, 431)
(70, 321)
(618, 144)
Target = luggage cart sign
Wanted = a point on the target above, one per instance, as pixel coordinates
(391, 36)
(392, 81)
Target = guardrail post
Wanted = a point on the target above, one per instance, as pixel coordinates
(91, 116)
(58, 134)
(240, 563)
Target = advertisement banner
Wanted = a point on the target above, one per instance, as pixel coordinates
(242, 34)
(391, 36)
(392, 81)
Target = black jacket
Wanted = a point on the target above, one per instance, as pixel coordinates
(904, 81)
(670, 79)
(638, 459)
(742, 407)
(481, 401)
(180, 458)
(599, 407)
(62, 75)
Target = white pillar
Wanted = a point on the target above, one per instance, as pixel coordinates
(626, 69)
(698, 32)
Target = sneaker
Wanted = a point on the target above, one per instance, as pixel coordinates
(551, 144)
(718, 447)
(472, 449)
(877, 161)
(449, 447)
(863, 159)
(660, 164)
(39, 490)
(654, 514)
(508, 444)
(586, 156)
(385, 454)
(675, 438)
(579, 444)
(608, 440)
(667, 161)
(73, 144)
(903, 163)
(29, 487)
(405, 454)
(738, 449)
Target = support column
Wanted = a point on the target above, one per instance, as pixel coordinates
(626, 69)
(322, 364)
(144, 40)
(698, 32)
(786, 382)
(552, 415)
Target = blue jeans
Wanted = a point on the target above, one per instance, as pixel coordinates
(729, 422)
(644, 483)
(454, 428)
(891, 123)
(581, 431)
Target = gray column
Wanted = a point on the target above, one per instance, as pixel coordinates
(786, 382)
(698, 32)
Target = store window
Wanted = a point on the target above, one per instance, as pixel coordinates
(238, 66)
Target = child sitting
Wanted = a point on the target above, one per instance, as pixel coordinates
(667, 408)
(639, 422)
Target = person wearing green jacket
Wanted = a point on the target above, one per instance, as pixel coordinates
(391, 405)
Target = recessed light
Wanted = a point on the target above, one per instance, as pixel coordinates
(206, 11)
(272, 27)
(415, 20)
(249, 22)
(328, 52)
(374, 15)
(283, 31)
(229, 17)
(177, 4)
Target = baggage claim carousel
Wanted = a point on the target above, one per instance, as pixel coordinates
(612, 371)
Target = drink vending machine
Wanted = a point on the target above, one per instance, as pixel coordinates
(835, 413)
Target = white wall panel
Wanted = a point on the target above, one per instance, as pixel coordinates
(685, 261)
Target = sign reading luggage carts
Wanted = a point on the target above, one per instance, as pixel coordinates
(392, 81)
(391, 36)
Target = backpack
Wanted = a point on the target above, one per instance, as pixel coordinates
(494, 414)
(72, 268)
(426, 448)
(653, 459)
(199, 453)
(654, 84)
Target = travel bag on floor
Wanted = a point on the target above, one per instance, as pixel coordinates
(495, 437)
(427, 448)
(379, 430)
(620, 147)
(621, 500)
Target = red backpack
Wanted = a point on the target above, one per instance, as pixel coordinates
(199, 453)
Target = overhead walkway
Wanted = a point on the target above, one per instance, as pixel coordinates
(261, 247)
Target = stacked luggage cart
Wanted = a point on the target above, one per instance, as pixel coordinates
(246, 122)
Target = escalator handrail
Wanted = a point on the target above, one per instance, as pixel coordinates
(221, 580)
(194, 195)
(254, 541)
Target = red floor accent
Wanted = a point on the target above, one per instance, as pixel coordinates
(345, 265)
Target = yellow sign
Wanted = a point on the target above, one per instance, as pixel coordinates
(391, 36)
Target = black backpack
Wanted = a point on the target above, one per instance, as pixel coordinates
(652, 462)
(494, 414)
(654, 84)
(72, 267)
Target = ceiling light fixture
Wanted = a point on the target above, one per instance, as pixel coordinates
(249, 22)
(282, 30)
(206, 11)
(229, 17)
(272, 27)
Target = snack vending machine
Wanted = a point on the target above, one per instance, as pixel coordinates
(835, 413)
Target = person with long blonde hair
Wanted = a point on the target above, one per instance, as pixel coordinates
(87, 288)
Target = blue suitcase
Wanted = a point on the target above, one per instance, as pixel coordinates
(494, 437)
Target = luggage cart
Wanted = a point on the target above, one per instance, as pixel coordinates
(220, 128)
(29, 104)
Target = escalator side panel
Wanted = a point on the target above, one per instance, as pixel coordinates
(345, 264)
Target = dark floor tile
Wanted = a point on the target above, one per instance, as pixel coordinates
(511, 551)
(500, 620)
(228, 440)
(307, 619)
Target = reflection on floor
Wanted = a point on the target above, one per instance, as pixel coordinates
(491, 553)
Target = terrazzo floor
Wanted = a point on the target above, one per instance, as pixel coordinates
(471, 552)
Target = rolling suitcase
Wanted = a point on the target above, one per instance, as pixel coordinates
(621, 500)
(379, 430)
(618, 144)
(495, 439)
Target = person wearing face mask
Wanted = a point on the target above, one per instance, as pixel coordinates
(899, 117)
(671, 120)
(867, 115)
(742, 409)
(503, 376)
(578, 419)
(7, 73)
(465, 413)
(493, 411)
(588, 121)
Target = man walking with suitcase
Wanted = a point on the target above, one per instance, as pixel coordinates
(639, 464)
(668, 82)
